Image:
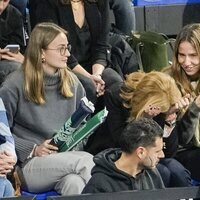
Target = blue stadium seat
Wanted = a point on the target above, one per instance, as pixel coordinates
(40, 196)
(195, 182)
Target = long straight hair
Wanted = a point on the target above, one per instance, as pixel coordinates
(42, 35)
(191, 34)
(143, 89)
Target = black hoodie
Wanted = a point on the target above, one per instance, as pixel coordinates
(107, 178)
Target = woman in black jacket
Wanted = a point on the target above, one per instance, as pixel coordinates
(87, 24)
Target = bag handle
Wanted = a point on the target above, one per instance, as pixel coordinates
(169, 41)
(138, 54)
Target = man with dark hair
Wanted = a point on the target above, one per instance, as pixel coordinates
(133, 167)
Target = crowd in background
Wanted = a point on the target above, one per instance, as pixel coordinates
(153, 118)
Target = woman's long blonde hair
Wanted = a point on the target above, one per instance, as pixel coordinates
(42, 35)
(143, 89)
(191, 34)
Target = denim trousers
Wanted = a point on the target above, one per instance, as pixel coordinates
(67, 173)
(124, 13)
(6, 189)
(173, 173)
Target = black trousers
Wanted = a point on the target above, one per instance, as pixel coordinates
(190, 159)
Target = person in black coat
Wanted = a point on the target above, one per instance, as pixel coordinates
(88, 24)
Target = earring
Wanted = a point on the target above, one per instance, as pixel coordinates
(43, 60)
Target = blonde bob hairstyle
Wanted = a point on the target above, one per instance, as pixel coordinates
(143, 89)
(191, 34)
(42, 35)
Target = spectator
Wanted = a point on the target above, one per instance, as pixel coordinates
(88, 24)
(185, 70)
(39, 98)
(11, 32)
(7, 154)
(154, 95)
(133, 167)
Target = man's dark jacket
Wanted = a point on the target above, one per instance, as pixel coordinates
(107, 178)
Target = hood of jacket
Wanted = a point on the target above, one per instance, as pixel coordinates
(104, 163)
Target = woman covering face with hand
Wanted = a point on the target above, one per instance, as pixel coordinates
(153, 95)
(39, 98)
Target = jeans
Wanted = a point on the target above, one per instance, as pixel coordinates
(6, 189)
(124, 15)
(190, 159)
(173, 173)
(67, 173)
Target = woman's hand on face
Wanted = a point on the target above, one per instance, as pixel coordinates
(45, 149)
(152, 111)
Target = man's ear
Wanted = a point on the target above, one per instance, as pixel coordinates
(141, 152)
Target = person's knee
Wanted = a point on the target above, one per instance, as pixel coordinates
(110, 77)
(180, 176)
(70, 184)
(165, 174)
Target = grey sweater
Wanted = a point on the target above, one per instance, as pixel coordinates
(32, 123)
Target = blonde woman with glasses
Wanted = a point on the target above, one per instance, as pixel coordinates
(39, 98)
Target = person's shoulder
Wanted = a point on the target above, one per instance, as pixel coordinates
(155, 177)
(13, 10)
(14, 79)
(99, 182)
(74, 77)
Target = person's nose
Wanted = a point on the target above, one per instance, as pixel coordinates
(67, 53)
(161, 155)
(187, 61)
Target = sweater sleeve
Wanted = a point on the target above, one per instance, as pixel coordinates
(187, 124)
(117, 114)
(102, 48)
(10, 98)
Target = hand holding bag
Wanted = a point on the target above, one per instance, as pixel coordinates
(151, 49)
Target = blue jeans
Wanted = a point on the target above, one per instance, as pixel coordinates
(124, 15)
(6, 189)
(173, 173)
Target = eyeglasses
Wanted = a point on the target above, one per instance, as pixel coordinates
(63, 49)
